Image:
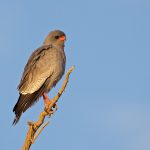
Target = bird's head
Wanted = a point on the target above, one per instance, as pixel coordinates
(55, 37)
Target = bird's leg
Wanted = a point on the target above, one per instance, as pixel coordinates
(47, 102)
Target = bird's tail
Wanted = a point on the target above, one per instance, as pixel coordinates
(23, 103)
(26, 101)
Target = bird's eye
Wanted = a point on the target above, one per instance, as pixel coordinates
(56, 37)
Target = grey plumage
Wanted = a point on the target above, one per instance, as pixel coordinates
(43, 70)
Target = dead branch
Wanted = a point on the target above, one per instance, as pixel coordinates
(35, 128)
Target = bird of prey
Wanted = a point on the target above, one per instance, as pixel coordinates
(43, 70)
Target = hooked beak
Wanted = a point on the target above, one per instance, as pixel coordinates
(62, 38)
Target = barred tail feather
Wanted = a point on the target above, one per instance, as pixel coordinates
(23, 103)
(26, 101)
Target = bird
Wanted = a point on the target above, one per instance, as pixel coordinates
(45, 67)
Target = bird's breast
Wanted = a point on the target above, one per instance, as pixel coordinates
(57, 62)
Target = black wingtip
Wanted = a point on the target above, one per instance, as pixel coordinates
(16, 120)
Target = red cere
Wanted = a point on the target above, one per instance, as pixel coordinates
(62, 38)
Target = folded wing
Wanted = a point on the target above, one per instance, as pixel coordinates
(37, 70)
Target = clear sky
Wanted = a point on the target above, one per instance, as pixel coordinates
(106, 105)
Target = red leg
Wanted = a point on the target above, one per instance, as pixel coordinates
(45, 96)
(47, 101)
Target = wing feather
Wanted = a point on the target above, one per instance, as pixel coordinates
(37, 70)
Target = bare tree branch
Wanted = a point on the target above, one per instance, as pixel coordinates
(35, 127)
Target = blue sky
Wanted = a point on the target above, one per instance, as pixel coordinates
(107, 102)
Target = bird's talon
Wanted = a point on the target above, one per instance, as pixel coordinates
(50, 113)
(55, 107)
(46, 110)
